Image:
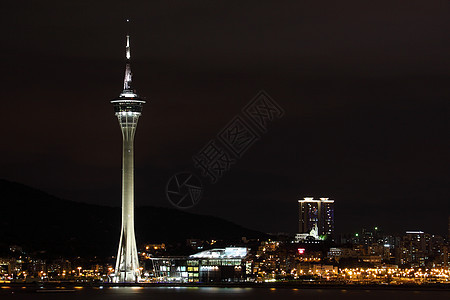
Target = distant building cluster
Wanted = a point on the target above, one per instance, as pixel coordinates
(316, 254)
(369, 256)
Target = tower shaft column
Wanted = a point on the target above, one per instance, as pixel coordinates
(128, 182)
(127, 264)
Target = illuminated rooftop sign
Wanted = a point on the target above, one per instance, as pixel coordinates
(310, 199)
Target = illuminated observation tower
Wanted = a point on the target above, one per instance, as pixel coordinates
(128, 108)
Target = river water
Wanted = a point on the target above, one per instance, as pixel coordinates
(186, 293)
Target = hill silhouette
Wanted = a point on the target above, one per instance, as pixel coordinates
(41, 222)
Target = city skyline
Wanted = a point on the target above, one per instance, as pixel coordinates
(221, 255)
(364, 91)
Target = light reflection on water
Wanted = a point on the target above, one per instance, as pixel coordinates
(187, 293)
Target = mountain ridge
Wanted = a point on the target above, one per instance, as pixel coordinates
(38, 221)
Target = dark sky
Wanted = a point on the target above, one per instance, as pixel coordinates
(364, 85)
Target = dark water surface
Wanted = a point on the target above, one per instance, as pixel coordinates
(186, 293)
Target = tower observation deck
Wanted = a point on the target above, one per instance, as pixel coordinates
(128, 108)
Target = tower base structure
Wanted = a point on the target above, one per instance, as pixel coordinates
(127, 263)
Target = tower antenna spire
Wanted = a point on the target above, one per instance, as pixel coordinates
(127, 48)
(128, 74)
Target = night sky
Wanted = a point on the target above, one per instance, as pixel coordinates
(364, 86)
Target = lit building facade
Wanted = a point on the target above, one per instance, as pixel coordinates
(215, 265)
(316, 218)
(128, 108)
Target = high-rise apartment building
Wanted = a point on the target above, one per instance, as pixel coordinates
(316, 217)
